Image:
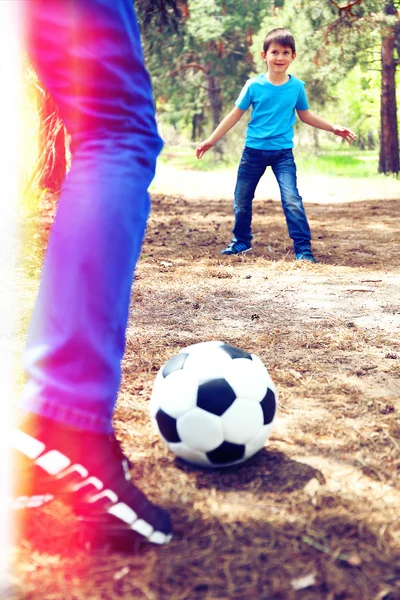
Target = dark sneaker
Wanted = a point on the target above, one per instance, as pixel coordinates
(306, 255)
(89, 473)
(236, 248)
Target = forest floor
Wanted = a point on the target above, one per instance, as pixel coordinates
(315, 515)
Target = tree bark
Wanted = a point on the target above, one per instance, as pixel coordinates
(389, 140)
(197, 127)
(214, 97)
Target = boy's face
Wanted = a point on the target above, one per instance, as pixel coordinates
(278, 58)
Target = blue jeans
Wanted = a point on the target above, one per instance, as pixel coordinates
(88, 54)
(251, 168)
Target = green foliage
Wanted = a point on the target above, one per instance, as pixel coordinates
(158, 13)
(199, 68)
(338, 56)
(335, 161)
(328, 46)
(206, 22)
(184, 158)
(359, 104)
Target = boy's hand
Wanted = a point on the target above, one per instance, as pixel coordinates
(345, 133)
(203, 147)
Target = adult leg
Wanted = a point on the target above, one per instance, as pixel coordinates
(251, 168)
(88, 55)
(284, 169)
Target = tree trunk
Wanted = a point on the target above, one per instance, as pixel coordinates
(197, 127)
(52, 147)
(389, 140)
(316, 139)
(214, 96)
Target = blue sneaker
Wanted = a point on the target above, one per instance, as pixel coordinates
(306, 255)
(236, 248)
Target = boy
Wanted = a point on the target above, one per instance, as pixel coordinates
(274, 97)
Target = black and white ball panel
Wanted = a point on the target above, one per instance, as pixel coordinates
(167, 426)
(200, 430)
(202, 346)
(214, 404)
(226, 454)
(176, 394)
(174, 364)
(259, 441)
(209, 360)
(268, 405)
(189, 455)
(215, 396)
(248, 379)
(235, 352)
(242, 421)
(208, 365)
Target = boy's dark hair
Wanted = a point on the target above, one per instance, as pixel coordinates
(280, 36)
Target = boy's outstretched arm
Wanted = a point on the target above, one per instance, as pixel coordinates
(226, 124)
(314, 120)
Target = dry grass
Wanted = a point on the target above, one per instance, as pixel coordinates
(322, 500)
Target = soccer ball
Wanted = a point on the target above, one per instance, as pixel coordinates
(214, 405)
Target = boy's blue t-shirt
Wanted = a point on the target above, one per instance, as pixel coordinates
(273, 114)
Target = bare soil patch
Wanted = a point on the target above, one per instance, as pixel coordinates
(322, 499)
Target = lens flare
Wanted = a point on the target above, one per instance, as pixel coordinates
(9, 180)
